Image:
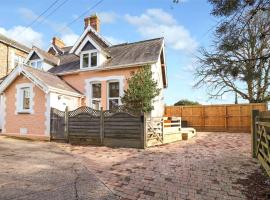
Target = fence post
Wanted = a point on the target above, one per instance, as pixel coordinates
(254, 115)
(66, 124)
(101, 126)
(143, 131)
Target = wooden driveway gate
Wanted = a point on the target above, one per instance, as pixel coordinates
(261, 138)
(117, 127)
(57, 122)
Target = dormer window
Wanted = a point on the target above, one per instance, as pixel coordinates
(89, 59)
(36, 64)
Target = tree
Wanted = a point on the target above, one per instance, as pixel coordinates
(240, 56)
(142, 89)
(184, 102)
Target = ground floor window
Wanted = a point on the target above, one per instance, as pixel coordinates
(24, 98)
(113, 94)
(25, 92)
(96, 96)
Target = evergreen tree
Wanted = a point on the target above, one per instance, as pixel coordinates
(142, 89)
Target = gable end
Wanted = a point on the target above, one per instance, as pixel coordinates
(34, 56)
(88, 46)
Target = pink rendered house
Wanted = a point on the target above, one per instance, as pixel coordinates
(92, 72)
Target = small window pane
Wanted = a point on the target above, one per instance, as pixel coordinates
(39, 64)
(33, 64)
(26, 98)
(85, 60)
(94, 59)
(114, 89)
(96, 90)
(113, 103)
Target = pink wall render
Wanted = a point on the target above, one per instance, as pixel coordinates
(78, 80)
(34, 123)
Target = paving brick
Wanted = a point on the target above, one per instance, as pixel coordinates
(205, 167)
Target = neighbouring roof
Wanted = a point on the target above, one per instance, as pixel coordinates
(61, 51)
(48, 82)
(127, 54)
(46, 56)
(51, 80)
(66, 49)
(14, 43)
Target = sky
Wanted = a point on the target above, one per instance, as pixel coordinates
(186, 26)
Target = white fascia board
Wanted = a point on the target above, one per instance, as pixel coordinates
(15, 73)
(89, 28)
(87, 39)
(164, 56)
(36, 81)
(30, 54)
(57, 90)
(99, 36)
(10, 78)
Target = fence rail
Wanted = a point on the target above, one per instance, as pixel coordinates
(229, 117)
(261, 138)
(85, 125)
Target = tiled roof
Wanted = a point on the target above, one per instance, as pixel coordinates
(127, 54)
(66, 49)
(47, 57)
(147, 51)
(14, 43)
(51, 80)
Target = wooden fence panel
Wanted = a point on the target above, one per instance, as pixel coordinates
(84, 126)
(123, 129)
(117, 127)
(228, 117)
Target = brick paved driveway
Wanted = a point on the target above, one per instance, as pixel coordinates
(205, 167)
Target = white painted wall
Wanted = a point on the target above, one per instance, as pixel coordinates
(60, 102)
(158, 102)
(46, 66)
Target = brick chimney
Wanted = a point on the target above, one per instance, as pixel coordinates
(58, 42)
(93, 21)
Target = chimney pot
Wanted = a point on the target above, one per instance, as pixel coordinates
(92, 21)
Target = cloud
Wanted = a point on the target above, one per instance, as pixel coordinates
(107, 17)
(70, 39)
(113, 40)
(158, 23)
(30, 37)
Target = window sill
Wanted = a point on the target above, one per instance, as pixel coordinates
(23, 112)
(89, 68)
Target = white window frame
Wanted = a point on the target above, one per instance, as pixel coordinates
(91, 94)
(88, 90)
(108, 92)
(89, 59)
(36, 61)
(19, 98)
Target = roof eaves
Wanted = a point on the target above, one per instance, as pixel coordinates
(57, 90)
(107, 68)
(15, 44)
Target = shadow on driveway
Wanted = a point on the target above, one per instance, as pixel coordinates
(40, 170)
